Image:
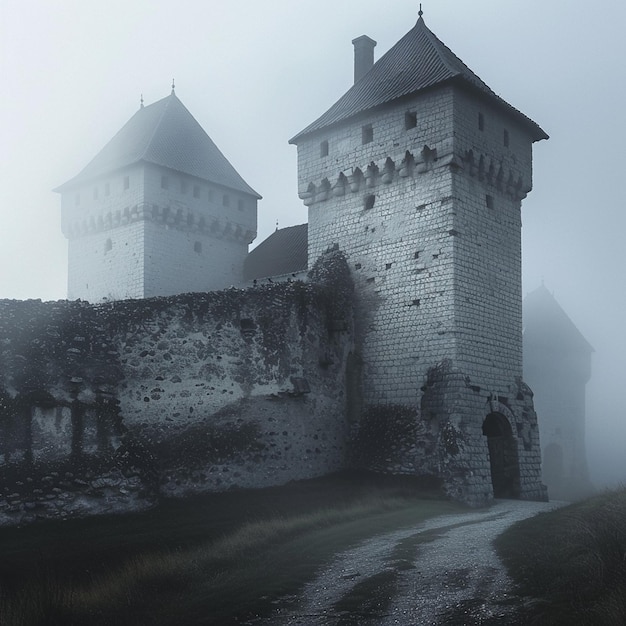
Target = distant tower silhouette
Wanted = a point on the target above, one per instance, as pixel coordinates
(557, 364)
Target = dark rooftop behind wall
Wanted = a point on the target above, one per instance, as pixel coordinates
(285, 251)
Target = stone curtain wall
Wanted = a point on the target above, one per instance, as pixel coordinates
(105, 408)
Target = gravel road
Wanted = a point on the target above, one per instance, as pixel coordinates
(443, 571)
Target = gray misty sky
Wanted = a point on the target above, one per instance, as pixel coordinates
(255, 72)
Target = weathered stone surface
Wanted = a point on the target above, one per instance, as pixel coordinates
(171, 396)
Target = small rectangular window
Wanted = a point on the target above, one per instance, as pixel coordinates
(481, 121)
(184, 185)
(240, 204)
(489, 202)
(226, 200)
(324, 149)
(126, 182)
(506, 138)
(196, 191)
(165, 183)
(367, 133)
(410, 120)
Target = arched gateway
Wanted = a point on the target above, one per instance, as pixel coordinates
(503, 457)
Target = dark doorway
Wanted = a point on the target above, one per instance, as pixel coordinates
(503, 456)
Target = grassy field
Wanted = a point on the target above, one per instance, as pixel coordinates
(573, 560)
(215, 559)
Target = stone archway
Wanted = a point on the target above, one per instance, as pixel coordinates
(503, 457)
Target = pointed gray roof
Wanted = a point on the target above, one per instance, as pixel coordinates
(417, 62)
(548, 325)
(164, 133)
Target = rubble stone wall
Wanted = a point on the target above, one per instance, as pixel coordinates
(107, 408)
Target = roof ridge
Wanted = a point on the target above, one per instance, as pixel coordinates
(142, 156)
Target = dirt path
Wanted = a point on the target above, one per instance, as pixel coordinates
(444, 571)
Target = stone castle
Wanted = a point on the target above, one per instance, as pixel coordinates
(400, 351)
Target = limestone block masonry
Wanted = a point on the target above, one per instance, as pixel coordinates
(424, 197)
(150, 231)
(106, 408)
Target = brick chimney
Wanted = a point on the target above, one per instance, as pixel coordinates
(363, 55)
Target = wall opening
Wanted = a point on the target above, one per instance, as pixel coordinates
(368, 202)
(324, 148)
(367, 133)
(503, 457)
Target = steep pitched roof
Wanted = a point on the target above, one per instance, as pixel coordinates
(547, 324)
(283, 252)
(164, 133)
(417, 62)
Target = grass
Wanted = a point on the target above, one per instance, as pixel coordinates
(210, 560)
(573, 560)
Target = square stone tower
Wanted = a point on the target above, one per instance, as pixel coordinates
(159, 211)
(417, 173)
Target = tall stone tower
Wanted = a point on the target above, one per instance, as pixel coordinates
(159, 211)
(557, 363)
(417, 173)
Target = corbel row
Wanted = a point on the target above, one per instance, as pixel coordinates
(368, 177)
(178, 218)
(494, 173)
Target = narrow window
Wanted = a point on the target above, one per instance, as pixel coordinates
(240, 204)
(324, 149)
(226, 200)
(481, 121)
(410, 120)
(95, 193)
(388, 266)
(197, 247)
(367, 133)
(126, 182)
(108, 246)
(368, 203)
(489, 202)
(184, 185)
(165, 183)
(196, 191)
(506, 138)
(107, 189)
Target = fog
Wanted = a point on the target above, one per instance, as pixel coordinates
(254, 73)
